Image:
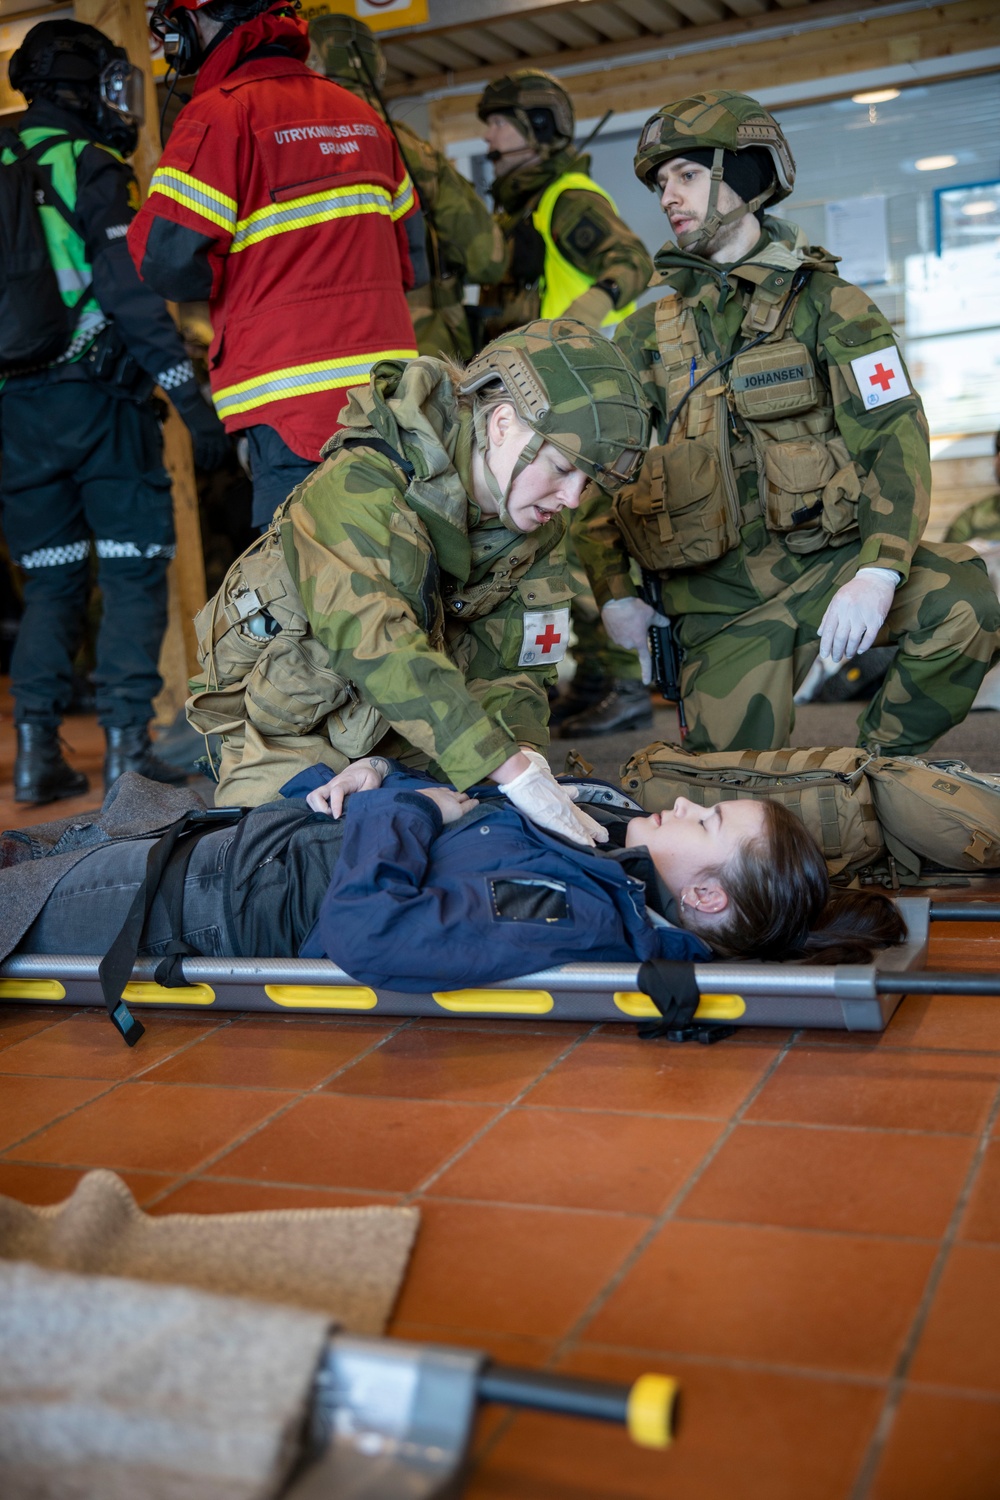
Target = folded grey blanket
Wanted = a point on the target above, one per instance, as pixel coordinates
(117, 1390)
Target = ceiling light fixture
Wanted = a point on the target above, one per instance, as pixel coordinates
(935, 163)
(876, 96)
(980, 206)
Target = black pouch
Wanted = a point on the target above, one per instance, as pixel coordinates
(109, 364)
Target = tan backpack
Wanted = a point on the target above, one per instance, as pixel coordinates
(827, 789)
(875, 818)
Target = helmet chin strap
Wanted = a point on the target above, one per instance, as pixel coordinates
(698, 239)
(527, 455)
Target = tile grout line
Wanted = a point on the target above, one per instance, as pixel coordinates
(184, 1178)
(565, 1345)
(505, 1109)
(897, 1381)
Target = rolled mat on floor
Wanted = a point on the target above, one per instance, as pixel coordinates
(347, 1263)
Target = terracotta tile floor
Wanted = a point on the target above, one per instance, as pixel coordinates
(804, 1227)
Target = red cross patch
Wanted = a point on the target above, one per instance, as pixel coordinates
(881, 377)
(545, 636)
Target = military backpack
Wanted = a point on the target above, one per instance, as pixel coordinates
(877, 819)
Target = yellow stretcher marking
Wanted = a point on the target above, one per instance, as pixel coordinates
(650, 1411)
(323, 996)
(31, 989)
(710, 1007)
(145, 992)
(497, 1002)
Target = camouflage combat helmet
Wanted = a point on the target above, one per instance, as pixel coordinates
(720, 121)
(528, 96)
(346, 51)
(575, 390)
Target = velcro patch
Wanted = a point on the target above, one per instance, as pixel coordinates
(585, 234)
(880, 377)
(761, 379)
(545, 637)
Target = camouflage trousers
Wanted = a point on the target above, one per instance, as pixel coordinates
(738, 682)
(595, 654)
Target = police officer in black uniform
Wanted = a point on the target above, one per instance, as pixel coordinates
(82, 450)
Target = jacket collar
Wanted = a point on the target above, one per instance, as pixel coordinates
(780, 249)
(274, 29)
(515, 188)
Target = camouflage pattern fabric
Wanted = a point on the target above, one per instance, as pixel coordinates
(416, 598)
(979, 520)
(585, 228)
(464, 242)
(747, 621)
(595, 654)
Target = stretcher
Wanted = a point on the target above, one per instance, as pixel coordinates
(849, 997)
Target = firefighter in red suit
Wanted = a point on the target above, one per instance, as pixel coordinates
(283, 201)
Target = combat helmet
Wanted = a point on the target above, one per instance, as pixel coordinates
(718, 121)
(575, 390)
(346, 50)
(538, 105)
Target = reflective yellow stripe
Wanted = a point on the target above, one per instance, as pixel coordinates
(301, 380)
(403, 201)
(198, 196)
(316, 208)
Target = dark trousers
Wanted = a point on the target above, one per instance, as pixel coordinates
(83, 468)
(275, 470)
(85, 912)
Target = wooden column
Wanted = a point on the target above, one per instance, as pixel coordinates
(124, 21)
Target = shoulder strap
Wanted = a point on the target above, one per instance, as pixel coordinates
(381, 446)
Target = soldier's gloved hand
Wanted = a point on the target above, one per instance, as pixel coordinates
(538, 795)
(591, 307)
(856, 613)
(627, 622)
(211, 443)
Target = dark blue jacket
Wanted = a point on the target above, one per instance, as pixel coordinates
(414, 904)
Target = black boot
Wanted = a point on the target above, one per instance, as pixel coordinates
(40, 772)
(581, 693)
(625, 705)
(131, 749)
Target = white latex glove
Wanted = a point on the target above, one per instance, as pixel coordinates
(362, 776)
(627, 622)
(537, 794)
(856, 613)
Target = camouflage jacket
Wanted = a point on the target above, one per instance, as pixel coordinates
(979, 520)
(886, 446)
(585, 229)
(464, 243)
(421, 602)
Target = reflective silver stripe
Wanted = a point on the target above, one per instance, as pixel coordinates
(315, 209)
(89, 326)
(320, 377)
(168, 380)
(106, 548)
(55, 557)
(70, 279)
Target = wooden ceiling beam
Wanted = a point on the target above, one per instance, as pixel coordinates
(938, 31)
(803, 14)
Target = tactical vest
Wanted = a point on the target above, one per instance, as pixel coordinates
(562, 282)
(769, 411)
(66, 247)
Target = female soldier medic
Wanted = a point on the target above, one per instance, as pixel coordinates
(413, 594)
(419, 886)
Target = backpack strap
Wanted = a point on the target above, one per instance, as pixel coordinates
(381, 446)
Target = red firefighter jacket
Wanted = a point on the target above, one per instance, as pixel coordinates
(280, 198)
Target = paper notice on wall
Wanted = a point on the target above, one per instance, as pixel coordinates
(857, 230)
(380, 15)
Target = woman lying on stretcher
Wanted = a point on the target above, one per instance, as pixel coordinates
(408, 885)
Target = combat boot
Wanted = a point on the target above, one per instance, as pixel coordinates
(131, 749)
(41, 774)
(581, 693)
(625, 705)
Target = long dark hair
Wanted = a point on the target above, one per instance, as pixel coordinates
(781, 905)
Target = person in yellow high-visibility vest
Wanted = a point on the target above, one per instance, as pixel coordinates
(570, 256)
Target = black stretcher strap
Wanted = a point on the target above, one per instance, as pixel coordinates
(115, 969)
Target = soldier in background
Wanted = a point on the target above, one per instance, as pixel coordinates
(571, 255)
(782, 509)
(980, 521)
(463, 241)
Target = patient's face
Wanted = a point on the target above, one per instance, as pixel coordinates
(688, 840)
